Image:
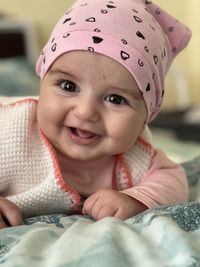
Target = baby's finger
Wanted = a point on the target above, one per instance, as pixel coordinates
(89, 204)
(105, 211)
(2, 223)
(14, 216)
(11, 213)
(120, 214)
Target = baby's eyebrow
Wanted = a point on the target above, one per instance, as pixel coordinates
(55, 71)
(130, 91)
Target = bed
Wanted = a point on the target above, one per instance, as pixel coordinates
(165, 236)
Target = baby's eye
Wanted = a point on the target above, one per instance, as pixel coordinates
(68, 86)
(116, 99)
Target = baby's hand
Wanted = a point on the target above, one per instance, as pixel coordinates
(10, 214)
(110, 203)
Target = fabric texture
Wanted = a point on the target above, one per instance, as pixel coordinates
(31, 178)
(162, 237)
(136, 33)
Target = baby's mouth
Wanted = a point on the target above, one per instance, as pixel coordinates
(82, 133)
(81, 136)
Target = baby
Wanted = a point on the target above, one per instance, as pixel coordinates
(83, 147)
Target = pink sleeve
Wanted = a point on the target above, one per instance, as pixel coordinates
(164, 183)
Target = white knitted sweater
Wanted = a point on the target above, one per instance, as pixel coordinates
(30, 175)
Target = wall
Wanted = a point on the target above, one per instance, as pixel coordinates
(45, 13)
(189, 60)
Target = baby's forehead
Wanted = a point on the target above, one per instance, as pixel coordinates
(96, 63)
(79, 58)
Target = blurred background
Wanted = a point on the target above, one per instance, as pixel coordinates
(35, 20)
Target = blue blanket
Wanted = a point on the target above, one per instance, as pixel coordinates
(168, 236)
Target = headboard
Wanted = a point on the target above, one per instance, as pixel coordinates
(18, 38)
(18, 54)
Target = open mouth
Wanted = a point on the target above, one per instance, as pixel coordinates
(82, 133)
(82, 137)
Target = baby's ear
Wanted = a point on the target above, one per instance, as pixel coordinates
(178, 33)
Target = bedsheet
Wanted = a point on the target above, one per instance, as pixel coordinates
(167, 236)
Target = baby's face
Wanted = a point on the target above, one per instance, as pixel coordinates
(90, 106)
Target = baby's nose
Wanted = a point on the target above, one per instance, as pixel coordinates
(88, 109)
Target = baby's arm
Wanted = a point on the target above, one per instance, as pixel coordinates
(10, 214)
(165, 183)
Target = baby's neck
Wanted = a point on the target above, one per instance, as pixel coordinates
(87, 176)
(86, 168)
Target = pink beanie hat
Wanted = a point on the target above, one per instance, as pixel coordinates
(136, 33)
